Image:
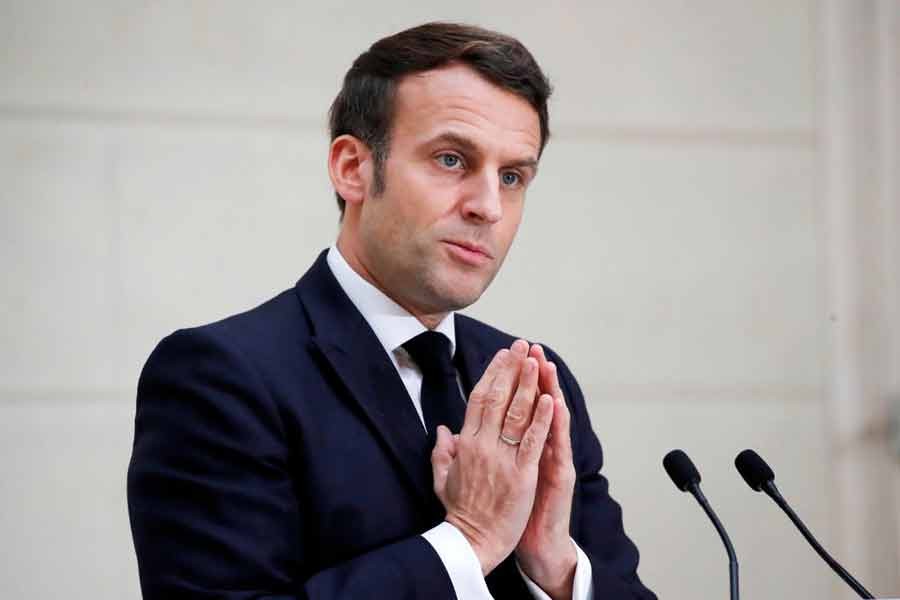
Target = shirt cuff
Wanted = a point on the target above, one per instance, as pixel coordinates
(460, 560)
(582, 586)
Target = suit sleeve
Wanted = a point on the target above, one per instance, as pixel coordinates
(213, 507)
(596, 518)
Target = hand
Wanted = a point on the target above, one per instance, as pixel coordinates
(488, 485)
(546, 552)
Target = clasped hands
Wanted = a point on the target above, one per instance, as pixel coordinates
(505, 496)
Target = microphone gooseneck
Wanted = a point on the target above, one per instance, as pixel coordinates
(687, 479)
(760, 477)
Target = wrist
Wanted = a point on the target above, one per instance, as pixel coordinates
(487, 551)
(553, 570)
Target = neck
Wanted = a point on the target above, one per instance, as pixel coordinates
(347, 250)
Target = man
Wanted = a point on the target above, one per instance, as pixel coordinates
(319, 445)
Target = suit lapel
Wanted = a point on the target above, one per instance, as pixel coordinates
(349, 346)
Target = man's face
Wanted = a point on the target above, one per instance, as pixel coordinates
(462, 152)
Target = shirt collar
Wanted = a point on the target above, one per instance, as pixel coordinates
(393, 325)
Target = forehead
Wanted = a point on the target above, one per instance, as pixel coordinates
(458, 99)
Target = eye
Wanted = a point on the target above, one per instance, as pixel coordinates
(511, 178)
(451, 161)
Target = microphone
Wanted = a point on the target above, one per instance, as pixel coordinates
(760, 477)
(687, 479)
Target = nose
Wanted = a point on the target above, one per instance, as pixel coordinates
(482, 202)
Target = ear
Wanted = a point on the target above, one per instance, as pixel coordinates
(350, 168)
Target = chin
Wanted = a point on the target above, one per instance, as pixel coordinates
(453, 288)
(457, 297)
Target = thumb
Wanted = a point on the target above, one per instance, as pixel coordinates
(454, 444)
(441, 458)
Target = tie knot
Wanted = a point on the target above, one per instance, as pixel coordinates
(431, 351)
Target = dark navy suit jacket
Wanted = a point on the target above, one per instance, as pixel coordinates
(277, 455)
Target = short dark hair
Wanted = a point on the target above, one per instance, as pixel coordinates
(364, 106)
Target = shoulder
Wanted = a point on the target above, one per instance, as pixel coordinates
(257, 335)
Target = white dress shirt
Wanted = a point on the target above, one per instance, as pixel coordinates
(394, 326)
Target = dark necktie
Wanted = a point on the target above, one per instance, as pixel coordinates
(442, 403)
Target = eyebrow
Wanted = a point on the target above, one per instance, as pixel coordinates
(470, 147)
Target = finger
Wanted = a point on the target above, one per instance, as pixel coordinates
(536, 435)
(519, 348)
(478, 397)
(441, 458)
(518, 415)
(549, 379)
(547, 382)
(498, 397)
(536, 351)
(441, 455)
(455, 445)
(559, 438)
(554, 388)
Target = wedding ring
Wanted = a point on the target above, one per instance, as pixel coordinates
(510, 441)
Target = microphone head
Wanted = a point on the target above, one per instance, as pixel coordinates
(755, 471)
(681, 470)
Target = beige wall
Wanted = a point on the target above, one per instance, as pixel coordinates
(163, 164)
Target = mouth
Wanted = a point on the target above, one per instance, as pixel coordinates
(469, 253)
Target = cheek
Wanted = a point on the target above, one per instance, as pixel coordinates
(396, 230)
(390, 229)
(421, 222)
(510, 225)
(424, 195)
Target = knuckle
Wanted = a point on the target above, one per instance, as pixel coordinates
(494, 397)
(566, 471)
(479, 448)
(529, 442)
(515, 415)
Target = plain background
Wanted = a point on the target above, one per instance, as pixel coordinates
(710, 244)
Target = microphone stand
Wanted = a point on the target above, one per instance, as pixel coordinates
(772, 491)
(695, 491)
